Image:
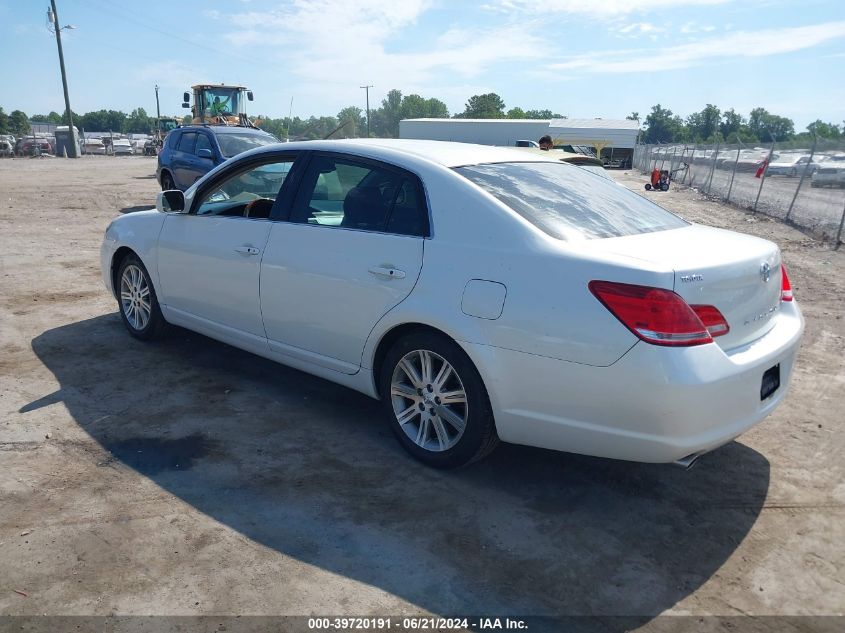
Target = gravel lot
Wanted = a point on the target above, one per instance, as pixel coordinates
(187, 477)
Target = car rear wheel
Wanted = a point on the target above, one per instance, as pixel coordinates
(436, 401)
(167, 183)
(139, 309)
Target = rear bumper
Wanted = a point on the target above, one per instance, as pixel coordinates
(655, 404)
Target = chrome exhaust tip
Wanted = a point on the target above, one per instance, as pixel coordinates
(687, 462)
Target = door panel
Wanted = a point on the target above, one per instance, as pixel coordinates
(183, 154)
(319, 298)
(209, 268)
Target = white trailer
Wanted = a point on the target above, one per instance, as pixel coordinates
(481, 131)
(618, 133)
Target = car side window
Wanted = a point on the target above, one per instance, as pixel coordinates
(343, 193)
(203, 142)
(250, 193)
(187, 142)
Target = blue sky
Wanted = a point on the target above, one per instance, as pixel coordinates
(582, 58)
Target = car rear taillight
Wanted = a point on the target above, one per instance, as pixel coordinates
(785, 286)
(655, 315)
(712, 320)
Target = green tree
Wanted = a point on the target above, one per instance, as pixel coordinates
(766, 126)
(357, 122)
(516, 113)
(634, 116)
(437, 109)
(4, 122)
(138, 122)
(662, 126)
(389, 115)
(39, 118)
(731, 124)
(102, 121)
(18, 123)
(486, 106)
(704, 125)
(824, 130)
(543, 114)
(417, 107)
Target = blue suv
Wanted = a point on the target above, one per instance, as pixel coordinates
(192, 151)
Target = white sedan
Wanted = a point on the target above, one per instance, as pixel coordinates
(481, 293)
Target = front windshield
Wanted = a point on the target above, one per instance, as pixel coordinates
(221, 101)
(232, 144)
(569, 202)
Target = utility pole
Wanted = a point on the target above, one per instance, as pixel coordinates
(158, 114)
(74, 142)
(367, 88)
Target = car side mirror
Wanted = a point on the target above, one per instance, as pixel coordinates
(172, 201)
(186, 96)
(186, 105)
(249, 95)
(205, 153)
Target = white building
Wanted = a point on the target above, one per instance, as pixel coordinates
(481, 131)
(615, 137)
(615, 133)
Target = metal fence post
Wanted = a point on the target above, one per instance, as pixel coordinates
(763, 177)
(712, 169)
(686, 171)
(672, 160)
(803, 175)
(839, 233)
(692, 164)
(733, 175)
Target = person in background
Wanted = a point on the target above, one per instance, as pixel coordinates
(546, 143)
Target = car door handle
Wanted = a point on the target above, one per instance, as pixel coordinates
(387, 273)
(247, 250)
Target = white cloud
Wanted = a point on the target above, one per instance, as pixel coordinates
(639, 27)
(732, 46)
(600, 9)
(694, 27)
(168, 74)
(332, 45)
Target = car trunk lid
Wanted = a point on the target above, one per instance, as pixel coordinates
(738, 274)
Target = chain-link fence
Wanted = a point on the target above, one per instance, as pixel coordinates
(798, 184)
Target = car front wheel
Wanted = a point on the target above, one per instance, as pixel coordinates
(167, 183)
(139, 309)
(436, 401)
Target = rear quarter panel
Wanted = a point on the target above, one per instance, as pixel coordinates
(548, 309)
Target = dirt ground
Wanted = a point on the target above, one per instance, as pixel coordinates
(187, 477)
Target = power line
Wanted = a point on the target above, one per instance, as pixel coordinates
(140, 21)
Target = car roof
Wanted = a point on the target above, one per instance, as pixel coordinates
(446, 153)
(223, 129)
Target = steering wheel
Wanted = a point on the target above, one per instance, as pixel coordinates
(259, 208)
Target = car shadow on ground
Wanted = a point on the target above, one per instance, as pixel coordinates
(310, 469)
(140, 207)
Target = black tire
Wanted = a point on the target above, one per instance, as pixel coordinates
(648, 186)
(478, 437)
(154, 325)
(167, 183)
(664, 187)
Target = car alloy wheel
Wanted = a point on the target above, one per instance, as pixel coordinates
(436, 401)
(429, 400)
(135, 297)
(136, 300)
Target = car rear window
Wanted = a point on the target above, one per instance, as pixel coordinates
(568, 202)
(232, 144)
